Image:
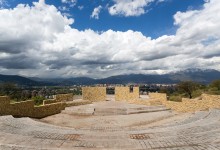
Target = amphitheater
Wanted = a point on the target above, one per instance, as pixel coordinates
(121, 121)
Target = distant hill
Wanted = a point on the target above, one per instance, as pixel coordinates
(18, 80)
(136, 78)
(198, 75)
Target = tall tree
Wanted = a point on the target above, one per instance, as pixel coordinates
(188, 87)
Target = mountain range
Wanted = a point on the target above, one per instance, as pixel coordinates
(197, 75)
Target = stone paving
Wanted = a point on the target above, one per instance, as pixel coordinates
(162, 130)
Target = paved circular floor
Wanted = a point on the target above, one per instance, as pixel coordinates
(160, 130)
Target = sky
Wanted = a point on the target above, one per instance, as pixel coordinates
(102, 38)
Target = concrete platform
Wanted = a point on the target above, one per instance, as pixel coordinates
(112, 108)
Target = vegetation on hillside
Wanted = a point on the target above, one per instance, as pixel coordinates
(38, 94)
(38, 100)
(184, 89)
(190, 89)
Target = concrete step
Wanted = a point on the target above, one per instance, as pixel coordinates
(110, 111)
(78, 111)
(146, 110)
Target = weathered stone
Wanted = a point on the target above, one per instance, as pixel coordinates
(94, 93)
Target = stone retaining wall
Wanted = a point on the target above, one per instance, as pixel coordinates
(4, 102)
(187, 105)
(192, 105)
(21, 109)
(158, 96)
(64, 97)
(70, 97)
(77, 103)
(59, 98)
(27, 108)
(124, 94)
(50, 101)
(94, 93)
(47, 110)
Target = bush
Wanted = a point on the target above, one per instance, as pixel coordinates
(175, 98)
(196, 93)
(213, 89)
(216, 84)
(213, 92)
(38, 100)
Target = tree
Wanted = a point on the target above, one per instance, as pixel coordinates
(10, 89)
(38, 100)
(188, 87)
(216, 84)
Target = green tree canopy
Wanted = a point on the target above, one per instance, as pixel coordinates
(188, 87)
(215, 84)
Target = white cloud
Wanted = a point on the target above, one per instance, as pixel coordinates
(38, 40)
(129, 7)
(80, 7)
(96, 11)
(3, 3)
(72, 3)
(63, 8)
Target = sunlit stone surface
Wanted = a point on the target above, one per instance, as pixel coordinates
(142, 129)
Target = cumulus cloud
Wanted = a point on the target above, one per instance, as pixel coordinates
(96, 11)
(39, 41)
(129, 7)
(25, 29)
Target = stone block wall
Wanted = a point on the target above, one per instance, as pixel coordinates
(50, 101)
(21, 109)
(64, 97)
(75, 97)
(192, 105)
(77, 103)
(59, 98)
(158, 96)
(94, 93)
(4, 102)
(47, 110)
(187, 105)
(27, 108)
(124, 94)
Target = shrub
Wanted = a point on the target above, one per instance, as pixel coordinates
(216, 84)
(38, 100)
(196, 93)
(213, 89)
(213, 92)
(175, 98)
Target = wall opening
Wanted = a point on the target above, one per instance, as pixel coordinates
(110, 90)
(131, 88)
